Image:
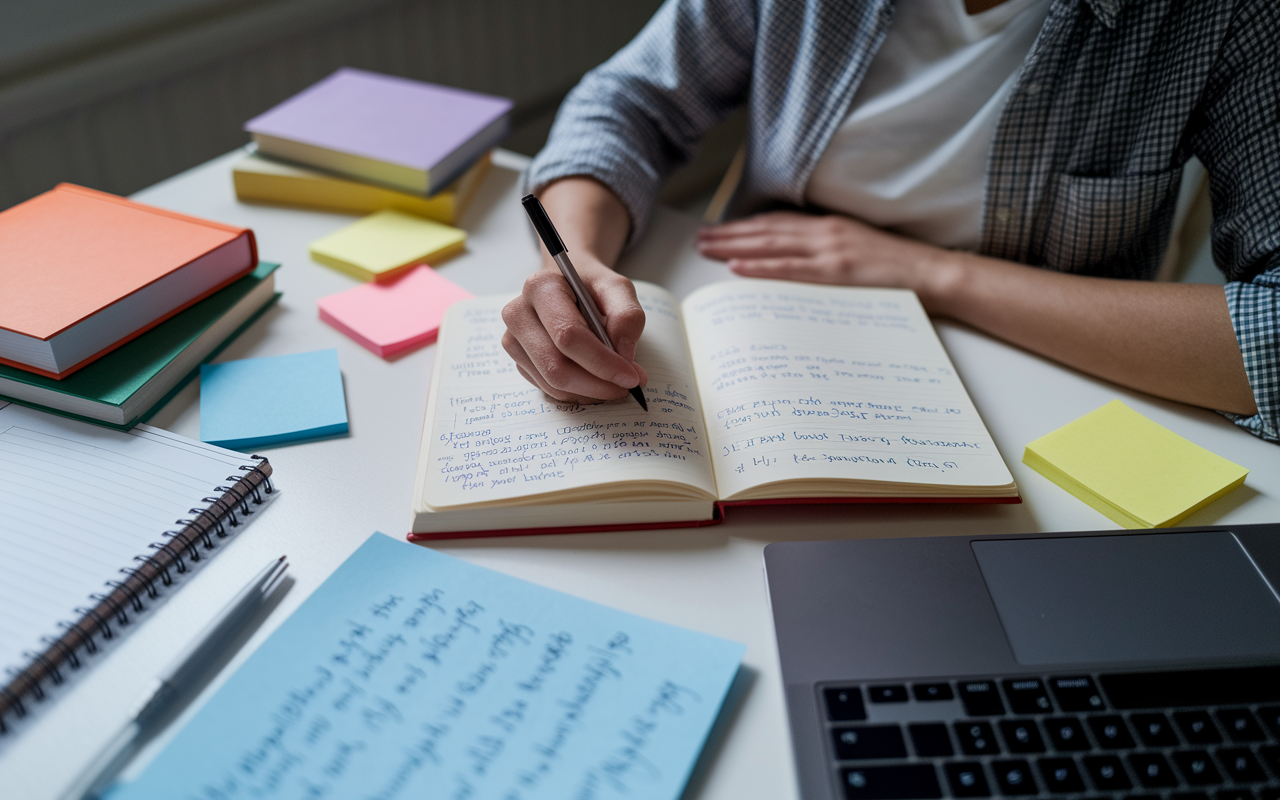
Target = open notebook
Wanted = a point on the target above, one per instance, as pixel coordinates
(95, 524)
(759, 392)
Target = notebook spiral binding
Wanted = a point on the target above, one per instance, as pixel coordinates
(224, 513)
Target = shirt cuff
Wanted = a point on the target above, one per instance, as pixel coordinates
(1255, 314)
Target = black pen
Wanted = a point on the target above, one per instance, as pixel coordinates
(587, 305)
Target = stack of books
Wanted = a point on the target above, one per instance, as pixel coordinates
(360, 142)
(109, 306)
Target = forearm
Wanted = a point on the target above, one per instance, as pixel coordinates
(590, 219)
(1170, 340)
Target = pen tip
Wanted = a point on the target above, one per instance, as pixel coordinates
(638, 394)
(281, 558)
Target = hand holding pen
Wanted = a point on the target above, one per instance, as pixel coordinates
(550, 337)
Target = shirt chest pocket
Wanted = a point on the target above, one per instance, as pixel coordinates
(1113, 227)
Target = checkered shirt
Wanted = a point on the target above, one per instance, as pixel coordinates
(1113, 99)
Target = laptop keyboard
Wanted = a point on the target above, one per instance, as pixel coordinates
(1180, 735)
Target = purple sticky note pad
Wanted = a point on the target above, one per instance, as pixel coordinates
(382, 117)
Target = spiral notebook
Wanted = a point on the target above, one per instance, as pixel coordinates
(94, 525)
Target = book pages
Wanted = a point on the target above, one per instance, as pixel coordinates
(496, 439)
(821, 383)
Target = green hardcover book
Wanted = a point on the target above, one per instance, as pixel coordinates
(126, 385)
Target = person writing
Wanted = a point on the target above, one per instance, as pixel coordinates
(1016, 163)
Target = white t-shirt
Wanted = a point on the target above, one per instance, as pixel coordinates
(912, 154)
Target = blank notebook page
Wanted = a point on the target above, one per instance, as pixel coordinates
(79, 502)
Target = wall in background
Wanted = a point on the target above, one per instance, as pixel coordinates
(119, 95)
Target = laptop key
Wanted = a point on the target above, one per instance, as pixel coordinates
(967, 779)
(1021, 736)
(1014, 777)
(1077, 693)
(1230, 686)
(899, 782)
(1271, 757)
(1154, 730)
(1066, 733)
(893, 693)
(1107, 773)
(1271, 718)
(1188, 796)
(1060, 775)
(1027, 696)
(1270, 793)
(1240, 764)
(844, 704)
(930, 739)
(1240, 725)
(926, 692)
(1197, 768)
(866, 742)
(1234, 794)
(1111, 732)
(1152, 770)
(976, 738)
(1197, 727)
(981, 698)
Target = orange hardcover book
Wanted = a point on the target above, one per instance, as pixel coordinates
(84, 272)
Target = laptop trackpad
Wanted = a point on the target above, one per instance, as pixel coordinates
(1130, 598)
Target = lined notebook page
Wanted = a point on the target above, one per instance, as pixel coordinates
(79, 502)
(825, 382)
(497, 437)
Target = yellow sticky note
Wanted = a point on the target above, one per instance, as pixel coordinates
(385, 244)
(1138, 473)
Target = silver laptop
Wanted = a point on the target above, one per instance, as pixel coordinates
(1117, 665)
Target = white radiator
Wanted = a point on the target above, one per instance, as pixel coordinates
(124, 115)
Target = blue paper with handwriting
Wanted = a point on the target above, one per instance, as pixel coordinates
(412, 674)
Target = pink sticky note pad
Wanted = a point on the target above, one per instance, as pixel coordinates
(389, 318)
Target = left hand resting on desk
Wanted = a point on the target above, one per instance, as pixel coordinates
(829, 249)
(1173, 340)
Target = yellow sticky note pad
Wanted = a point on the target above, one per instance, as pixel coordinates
(385, 244)
(1136, 472)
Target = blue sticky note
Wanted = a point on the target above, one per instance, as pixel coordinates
(261, 401)
(412, 674)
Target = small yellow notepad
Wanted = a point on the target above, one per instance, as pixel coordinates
(259, 179)
(383, 245)
(1136, 472)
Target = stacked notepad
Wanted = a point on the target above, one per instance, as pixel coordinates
(108, 305)
(362, 142)
(1135, 471)
(261, 179)
(410, 154)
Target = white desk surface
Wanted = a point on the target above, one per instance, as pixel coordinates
(336, 492)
